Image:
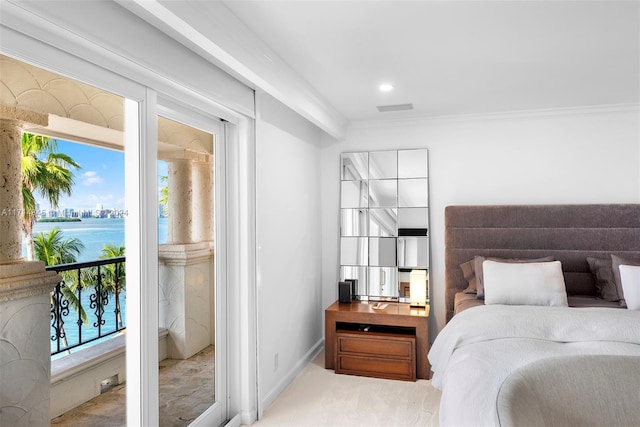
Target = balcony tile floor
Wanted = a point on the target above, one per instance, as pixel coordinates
(186, 391)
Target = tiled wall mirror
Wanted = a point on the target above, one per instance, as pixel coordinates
(384, 223)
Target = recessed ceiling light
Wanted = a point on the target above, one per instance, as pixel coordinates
(385, 87)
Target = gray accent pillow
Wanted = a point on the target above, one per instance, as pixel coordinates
(602, 271)
(469, 273)
(616, 262)
(478, 260)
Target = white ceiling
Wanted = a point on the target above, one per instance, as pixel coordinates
(455, 57)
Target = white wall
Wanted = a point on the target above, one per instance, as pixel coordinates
(289, 245)
(581, 156)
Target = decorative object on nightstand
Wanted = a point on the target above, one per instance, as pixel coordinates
(418, 288)
(344, 292)
(354, 287)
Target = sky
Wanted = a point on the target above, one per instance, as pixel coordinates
(99, 181)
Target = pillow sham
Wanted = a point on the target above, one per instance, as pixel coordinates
(478, 260)
(616, 262)
(605, 283)
(469, 273)
(534, 283)
(630, 279)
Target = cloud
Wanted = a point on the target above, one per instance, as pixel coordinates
(91, 177)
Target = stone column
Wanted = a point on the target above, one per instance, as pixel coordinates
(186, 280)
(186, 261)
(203, 200)
(25, 352)
(180, 201)
(11, 213)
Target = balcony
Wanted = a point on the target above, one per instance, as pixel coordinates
(88, 374)
(186, 391)
(86, 306)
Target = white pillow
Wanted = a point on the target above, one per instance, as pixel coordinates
(536, 283)
(630, 278)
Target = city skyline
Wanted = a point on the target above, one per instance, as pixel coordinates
(100, 181)
(99, 212)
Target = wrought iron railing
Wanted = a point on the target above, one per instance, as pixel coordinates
(87, 303)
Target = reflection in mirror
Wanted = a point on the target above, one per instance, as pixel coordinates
(412, 193)
(404, 284)
(413, 164)
(354, 166)
(358, 273)
(383, 282)
(382, 222)
(354, 250)
(413, 252)
(413, 221)
(382, 251)
(353, 222)
(354, 194)
(383, 164)
(383, 194)
(186, 290)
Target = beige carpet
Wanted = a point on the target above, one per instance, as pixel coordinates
(319, 397)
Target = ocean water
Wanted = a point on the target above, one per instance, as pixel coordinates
(94, 233)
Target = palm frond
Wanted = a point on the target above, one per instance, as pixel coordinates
(53, 249)
(70, 293)
(164, 194)
(114, 277)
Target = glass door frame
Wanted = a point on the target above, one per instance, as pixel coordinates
(29, 39)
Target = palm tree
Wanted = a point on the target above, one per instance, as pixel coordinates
(114, 279)
(164, 195)
(50, 176)
(53, 249)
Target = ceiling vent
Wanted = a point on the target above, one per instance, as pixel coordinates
(398, 107)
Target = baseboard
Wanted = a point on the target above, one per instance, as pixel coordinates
(288, 379)
(247, 418)
(234, 422)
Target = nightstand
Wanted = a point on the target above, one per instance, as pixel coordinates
(392, 342)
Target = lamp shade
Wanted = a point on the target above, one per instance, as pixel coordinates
(418, 288)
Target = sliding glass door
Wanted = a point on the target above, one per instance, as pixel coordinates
(192, 367)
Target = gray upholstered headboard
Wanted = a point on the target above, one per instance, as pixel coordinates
(570, 233)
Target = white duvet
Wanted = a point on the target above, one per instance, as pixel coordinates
(481, 346)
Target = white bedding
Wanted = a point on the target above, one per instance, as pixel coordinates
(481, 346)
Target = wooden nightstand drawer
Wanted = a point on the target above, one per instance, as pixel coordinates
(376, 354)
(376, 367)
(378, 344)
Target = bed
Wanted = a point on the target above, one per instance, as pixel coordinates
(548, 311)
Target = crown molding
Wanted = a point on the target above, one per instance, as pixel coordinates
(418, 120)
